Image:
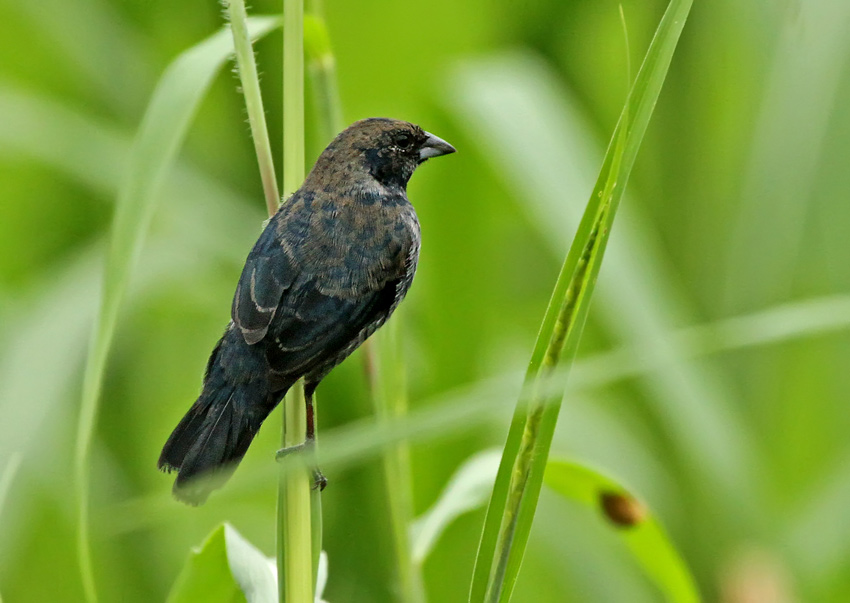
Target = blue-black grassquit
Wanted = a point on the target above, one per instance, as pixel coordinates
(328, 270)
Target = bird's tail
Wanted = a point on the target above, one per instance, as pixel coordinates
(211, 439)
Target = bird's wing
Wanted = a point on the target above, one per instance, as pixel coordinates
(268, 273)
(311, 299)
(312, 329)
(301, 325)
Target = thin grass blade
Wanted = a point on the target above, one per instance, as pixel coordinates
(520, 476)
(298, 512)
(250, 81)
(383, 352)
(163, 128)
(321, 66)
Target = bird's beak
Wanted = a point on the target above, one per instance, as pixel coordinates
(434, 147)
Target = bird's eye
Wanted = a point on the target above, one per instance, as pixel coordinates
(404, 141)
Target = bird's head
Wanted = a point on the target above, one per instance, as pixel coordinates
(388, 150)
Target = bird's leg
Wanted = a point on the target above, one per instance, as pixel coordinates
(319, 480)
(309, 444)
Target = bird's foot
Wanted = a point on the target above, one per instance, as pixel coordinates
(319, 480)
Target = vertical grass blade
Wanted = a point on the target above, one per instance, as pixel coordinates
(388, 385)
(514, 499)
(296, 505)
(163, 128)
(253, 100)
(546, 157)
(321, 66)
(639, 530)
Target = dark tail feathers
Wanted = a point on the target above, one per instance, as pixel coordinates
(208, 443)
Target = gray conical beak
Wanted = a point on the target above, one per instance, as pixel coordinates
(434, 147)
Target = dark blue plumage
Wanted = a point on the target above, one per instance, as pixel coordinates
(328, 270)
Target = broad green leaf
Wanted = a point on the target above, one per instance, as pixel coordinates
(467, 490)
(206, 575)
(226, 568)
(518, 483)
(639, 530)
(253, 571)
(160, 135)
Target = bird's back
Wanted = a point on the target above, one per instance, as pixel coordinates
(340, 263)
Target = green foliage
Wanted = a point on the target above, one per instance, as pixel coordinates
(514, 500)
(173, 104)
(639, 530)
(710, 374)
(225, 568)
(467, 489)
(8, 476)
(299, 518)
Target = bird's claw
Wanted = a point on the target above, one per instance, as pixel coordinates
(319, 480)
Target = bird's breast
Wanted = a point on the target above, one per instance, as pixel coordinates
(356, 248)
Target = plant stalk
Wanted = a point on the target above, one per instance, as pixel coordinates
(388, 388)
(295, 516)
(250, 82)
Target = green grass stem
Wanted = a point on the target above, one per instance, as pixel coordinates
(388, 390)
(295, 554)
(250, 82)
(159, 137)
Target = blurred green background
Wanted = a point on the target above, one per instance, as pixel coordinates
(712, 376)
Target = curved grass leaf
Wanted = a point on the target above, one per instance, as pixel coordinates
(547, 156)
(518, 483)
(226, 568)
(55, 317)
(467, 489)
(639, 530)
(163, 128)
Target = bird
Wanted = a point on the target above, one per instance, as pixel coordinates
(327, 271)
